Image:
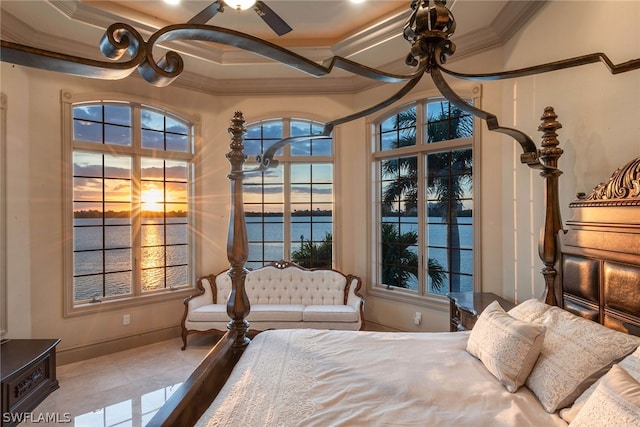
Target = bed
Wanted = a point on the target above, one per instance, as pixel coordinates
(569, 357)
(304, 377)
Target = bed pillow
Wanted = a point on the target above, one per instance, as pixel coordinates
(631, 364)
(529, 310)
(507, 347)
(614, 402)
(575, 353)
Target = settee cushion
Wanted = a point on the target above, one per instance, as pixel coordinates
(329, 313)
(209, 313)
(259, 313)
(275, 312)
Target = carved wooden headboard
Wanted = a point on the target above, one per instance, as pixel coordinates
(600, 253)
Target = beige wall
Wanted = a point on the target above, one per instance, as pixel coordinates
(598, 111)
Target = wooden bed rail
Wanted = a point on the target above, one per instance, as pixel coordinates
(195, 395)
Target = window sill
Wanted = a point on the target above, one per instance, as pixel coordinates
(134, 301)
(438, 302)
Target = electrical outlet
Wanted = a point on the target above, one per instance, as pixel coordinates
(417, 317)
(126, 319)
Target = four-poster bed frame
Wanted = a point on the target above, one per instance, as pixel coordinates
(428, 31)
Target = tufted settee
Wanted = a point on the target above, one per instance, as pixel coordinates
(282, 295)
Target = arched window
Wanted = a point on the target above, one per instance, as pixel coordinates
(289, 208)
(424, 199)
(130, 177)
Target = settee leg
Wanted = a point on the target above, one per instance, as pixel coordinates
(184, 340)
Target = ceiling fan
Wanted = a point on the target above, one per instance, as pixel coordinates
(267, 14)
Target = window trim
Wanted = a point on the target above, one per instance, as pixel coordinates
(67, 100)
(399, 294)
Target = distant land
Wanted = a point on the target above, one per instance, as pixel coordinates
(94, 213)
(305, 212)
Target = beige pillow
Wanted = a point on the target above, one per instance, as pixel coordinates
(576, 352)
(614, 402)
(507, 347)
(529, 310)
(631, 364)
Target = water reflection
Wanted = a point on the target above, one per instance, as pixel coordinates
(128, 413)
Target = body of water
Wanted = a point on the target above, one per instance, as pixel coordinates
(166, 245)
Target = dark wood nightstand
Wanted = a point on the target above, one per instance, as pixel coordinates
(465, 307)
(28, 371)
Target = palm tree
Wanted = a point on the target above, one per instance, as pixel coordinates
(448, 174)
(312, 255)
(400, 263)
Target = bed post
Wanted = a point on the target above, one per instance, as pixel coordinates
(549, 244)
(237, 243)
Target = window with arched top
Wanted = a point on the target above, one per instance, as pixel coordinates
(129, 202)
(289, 208)
(423, 193)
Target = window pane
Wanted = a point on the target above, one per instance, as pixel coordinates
(177, 234)
(87, 131)
(152, 279)
(86, 238)
(176, 192)
(117, 135)
(176, 127)
(177, 255)
(300, 173)
(446, 122)
(273, 229)
(322, 172)
(117, 115)
(87, 287)
(177, 142)
(152, 256)
(88, 112)
(117, 260)
(152, 235)
(153, 140)
(177, 170)
(301, 148)
(117, 237)
(152, 120)
(178, 275)
(117, 166)
(88, 262)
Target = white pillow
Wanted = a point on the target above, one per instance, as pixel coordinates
(631, 364)
(507, 347)
(614, 402)
(529, 310)
(575, 353)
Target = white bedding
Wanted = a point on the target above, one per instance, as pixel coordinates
(345, 378)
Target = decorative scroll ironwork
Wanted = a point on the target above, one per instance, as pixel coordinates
(622, 189)
(428, 30)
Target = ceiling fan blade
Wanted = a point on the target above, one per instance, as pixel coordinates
(272, 19)
(206, 14)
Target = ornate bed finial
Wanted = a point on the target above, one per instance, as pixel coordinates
(622, 189)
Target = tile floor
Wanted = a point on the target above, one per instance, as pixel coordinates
(120, 389)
